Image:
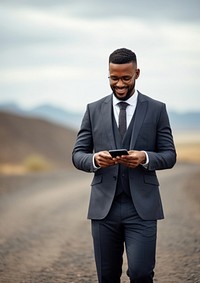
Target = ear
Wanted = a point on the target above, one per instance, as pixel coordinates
(137, 73)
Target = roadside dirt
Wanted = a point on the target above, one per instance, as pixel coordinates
(45, 237)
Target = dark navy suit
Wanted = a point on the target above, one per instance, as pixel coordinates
(135, 211)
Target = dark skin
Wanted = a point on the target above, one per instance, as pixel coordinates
(133, 159)
(122, 90)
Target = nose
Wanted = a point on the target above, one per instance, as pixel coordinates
(120, 83)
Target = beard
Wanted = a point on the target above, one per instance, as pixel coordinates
(130, 91)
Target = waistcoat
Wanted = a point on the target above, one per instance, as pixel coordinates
(123, 173)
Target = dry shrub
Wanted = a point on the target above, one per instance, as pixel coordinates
(37, 163)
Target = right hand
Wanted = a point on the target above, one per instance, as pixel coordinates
(103, 159)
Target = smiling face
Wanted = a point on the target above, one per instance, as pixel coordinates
(122, 79)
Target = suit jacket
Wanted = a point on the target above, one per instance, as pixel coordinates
(151, 132)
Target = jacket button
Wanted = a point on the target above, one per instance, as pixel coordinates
(115, 178)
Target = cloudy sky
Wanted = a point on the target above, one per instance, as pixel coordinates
(56, 51)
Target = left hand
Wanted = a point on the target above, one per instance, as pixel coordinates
(132, 160)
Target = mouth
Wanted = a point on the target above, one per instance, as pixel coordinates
(121, 91)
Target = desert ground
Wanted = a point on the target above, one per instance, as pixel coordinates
(45, 236)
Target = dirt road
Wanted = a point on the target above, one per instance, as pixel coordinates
(45, 237)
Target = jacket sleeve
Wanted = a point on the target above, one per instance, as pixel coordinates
(82, 155)
(164, 156)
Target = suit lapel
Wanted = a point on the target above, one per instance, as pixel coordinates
(107, 121)
(140, 114)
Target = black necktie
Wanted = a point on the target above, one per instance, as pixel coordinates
(122, 118)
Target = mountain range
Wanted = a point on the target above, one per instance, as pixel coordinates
(179, 121)
(48, 112)
(50, 132)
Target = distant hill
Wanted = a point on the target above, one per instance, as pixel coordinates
(179, 121)
(54, 114)
(21, 137)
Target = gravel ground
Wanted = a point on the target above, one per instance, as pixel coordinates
(45, 237)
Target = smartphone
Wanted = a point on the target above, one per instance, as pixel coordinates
(118, 152)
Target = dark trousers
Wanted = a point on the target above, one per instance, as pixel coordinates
(122, 226)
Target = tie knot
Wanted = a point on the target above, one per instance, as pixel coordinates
(123, 105)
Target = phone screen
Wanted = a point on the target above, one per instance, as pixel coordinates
(118, 152)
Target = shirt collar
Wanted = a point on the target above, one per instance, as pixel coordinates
(131, 101)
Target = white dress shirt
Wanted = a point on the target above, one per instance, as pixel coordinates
(130, 110)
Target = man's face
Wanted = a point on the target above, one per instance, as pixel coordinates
(122, 79)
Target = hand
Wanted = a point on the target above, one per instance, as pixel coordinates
(103, 159)
(133, 159)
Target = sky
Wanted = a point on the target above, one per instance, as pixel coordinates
(56, 51)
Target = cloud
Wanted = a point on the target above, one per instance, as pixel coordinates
(23, 25)
(51, 49)
(37, 74)
(176, 10)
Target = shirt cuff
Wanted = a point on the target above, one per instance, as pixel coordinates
(145, 165)
(93, 161)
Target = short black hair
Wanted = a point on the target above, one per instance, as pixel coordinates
(122, 56)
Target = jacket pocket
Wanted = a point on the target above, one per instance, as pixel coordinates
(151, 179)
(97, 179)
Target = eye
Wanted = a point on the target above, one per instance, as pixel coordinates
(126, 78)
(113, 78)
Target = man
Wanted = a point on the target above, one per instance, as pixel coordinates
(125, 202)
